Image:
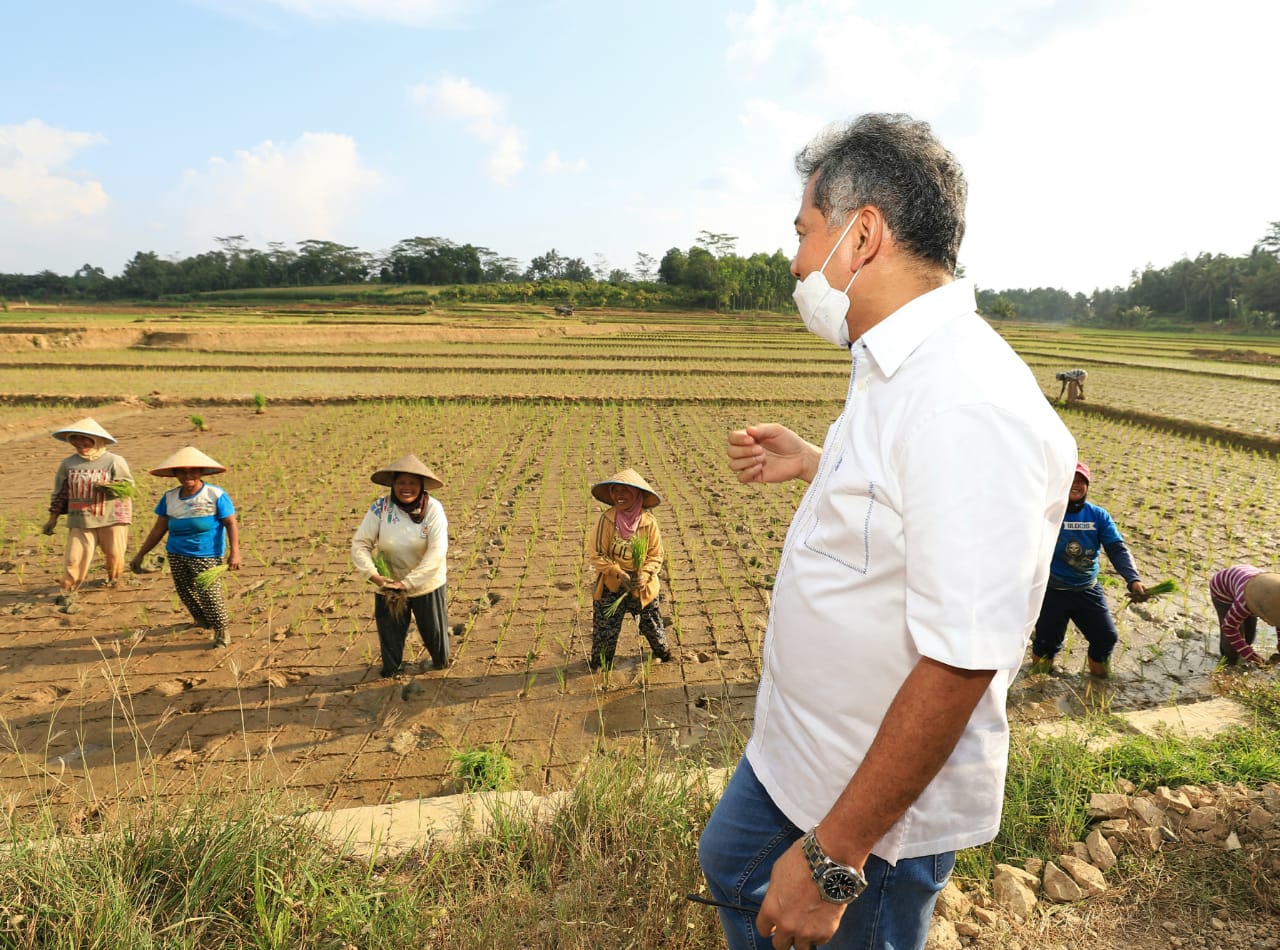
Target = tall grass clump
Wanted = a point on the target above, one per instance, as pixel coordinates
(610, 868)
(207, 875)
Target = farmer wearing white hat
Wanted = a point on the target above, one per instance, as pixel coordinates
(1241, 594)
(96, 515)
(401, 547)
(200, 521)
(625, 549)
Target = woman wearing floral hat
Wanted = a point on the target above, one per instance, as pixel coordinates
(401, 547)
(96, 516)
(200, 521)
(622, 587)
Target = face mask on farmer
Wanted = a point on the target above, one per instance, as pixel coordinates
(824, 308)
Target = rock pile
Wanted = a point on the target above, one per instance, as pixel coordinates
(1229, 818)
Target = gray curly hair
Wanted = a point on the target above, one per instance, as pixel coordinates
(894, 163)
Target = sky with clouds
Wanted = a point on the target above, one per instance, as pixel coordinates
(1097, 136)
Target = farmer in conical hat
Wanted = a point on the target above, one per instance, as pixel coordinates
(401, 547)
(1242, 594)
(97, 516)
(200, 521)
(625, 532)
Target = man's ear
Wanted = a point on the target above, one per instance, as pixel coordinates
(867, 233)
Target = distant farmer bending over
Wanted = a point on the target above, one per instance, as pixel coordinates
(1072, 384)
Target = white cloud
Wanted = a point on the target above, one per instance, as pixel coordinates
(36, 189)
(483, 116)
(553, 164)
(406, 12)
(302, 189)
(1128, 142)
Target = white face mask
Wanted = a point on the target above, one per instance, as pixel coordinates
(824, 308)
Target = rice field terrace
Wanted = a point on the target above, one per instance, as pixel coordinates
(518, 414)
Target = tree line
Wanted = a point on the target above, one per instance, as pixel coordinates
(1243, 292)
(710, 274)
(1210, 289)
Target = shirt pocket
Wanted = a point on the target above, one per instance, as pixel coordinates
(842, 520)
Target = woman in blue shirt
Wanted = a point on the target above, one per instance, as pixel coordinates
(1074, 594)
(198, 517)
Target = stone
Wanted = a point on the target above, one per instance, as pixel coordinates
(1152, 838)
(1120, 826)
(1173, 801)
(1271, 797)
(952, 903)
(1102, 805)
(1058, 885)
(1125, 786)
(942, 935)
(985, 916)
(1100, 851)
(1080, 850)
(1149, 813)
(1259, 819)
(1012, 893)
(1205, 818)
(1089, 878)
(1034, 866)
(1232, 843)
(968, 930)
(1030, 880)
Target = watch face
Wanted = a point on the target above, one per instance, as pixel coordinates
(840, 886)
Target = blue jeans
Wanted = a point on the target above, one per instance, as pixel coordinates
(1088, 609)
(747, 833)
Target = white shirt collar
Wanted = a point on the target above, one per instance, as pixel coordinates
(895, 337)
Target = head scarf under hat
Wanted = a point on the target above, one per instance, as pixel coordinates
(188, 457)
(626, 519)
(628, 476)
(409, 465)
(89, 428)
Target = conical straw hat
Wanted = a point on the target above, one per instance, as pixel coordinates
(86, 426)
(405, 465)
(189, 457)
(1262, 596)
(628, 476)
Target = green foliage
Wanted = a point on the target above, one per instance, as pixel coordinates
(198, 423)
(483, 770)
(260, 403)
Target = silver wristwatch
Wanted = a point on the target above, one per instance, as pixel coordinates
(837, 883)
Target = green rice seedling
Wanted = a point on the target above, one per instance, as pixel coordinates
(198, 423)
(259, 403)
(119, 489)
(639, 549)
(206, 579)
(1164, 587)
(483, 770)
(397, 600)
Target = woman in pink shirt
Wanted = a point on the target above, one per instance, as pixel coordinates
(1241, 594)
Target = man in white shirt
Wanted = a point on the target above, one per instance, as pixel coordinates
(911, 573)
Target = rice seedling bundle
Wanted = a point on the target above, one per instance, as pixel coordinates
(206, 579)
(397, 600)
(639, 549)
(120, 489)
(1164, 587)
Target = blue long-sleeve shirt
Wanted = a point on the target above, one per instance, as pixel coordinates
(1083, 536)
